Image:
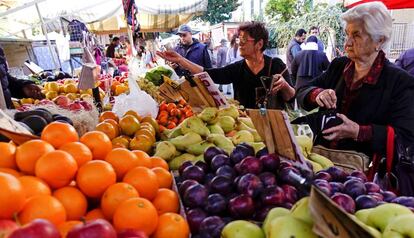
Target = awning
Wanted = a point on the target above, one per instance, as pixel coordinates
(391, 4)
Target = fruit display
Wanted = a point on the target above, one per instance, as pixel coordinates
(172, 114)
(223, 128)
(52, 183)
(155, 75)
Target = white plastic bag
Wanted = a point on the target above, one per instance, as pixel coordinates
(137, 100)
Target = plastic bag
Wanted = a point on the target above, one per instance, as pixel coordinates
(137, 100)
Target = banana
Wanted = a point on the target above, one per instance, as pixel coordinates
(323, 161)
(315, 166)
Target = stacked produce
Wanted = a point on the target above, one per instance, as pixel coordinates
(63, 178)
(155, 75)
(172, 114)
(223, 128)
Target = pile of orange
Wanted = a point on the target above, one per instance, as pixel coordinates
(131, 131)
(172, 114)
(65, 178)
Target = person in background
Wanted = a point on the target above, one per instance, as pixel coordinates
(191, 49)
(406, 61)
(222, 57)
(110, 51)
(314, 31)
(233, 54)
(294, 47)
(310, 62)
(245, 74)
(13, 87)
(211, 53)
(368, 92)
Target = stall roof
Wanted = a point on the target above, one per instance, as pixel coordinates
(391, 4)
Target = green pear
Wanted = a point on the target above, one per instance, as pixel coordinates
(374, 232)
(247, 121)
(242, 136)
(242, 229)
(175, 163)
(199, 148)
(380, 216)
(273, 214)
(221, 141)
(257, 146)
(363, 214)
(305, 143)
(215, 129)
(315, 166)
(231, 111)
(290, 227)
(322, 160)
(182, 142)
(401, 226)
(208, 114)
(194, 124)
(227, 123)
(172, 133)
(256, 135)
(199, 158)
(241, 126)
(165, 150)
(301, 211)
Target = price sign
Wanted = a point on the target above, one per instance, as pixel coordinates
(219, 99)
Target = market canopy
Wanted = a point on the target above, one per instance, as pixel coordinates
(391, 4)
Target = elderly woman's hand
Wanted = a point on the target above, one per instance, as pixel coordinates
(327, 98)
(348, 129)
(171, 56)
(279, 83)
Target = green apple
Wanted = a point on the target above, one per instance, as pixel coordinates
(380, 216)
(301, 211)
(242, 229)
(400, 227)
(274, 213)
(363, 214)
(288, 226)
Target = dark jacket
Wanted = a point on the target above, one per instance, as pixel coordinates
(309, 64)
(406, 61)
(291, 51)
(110, 51)
(196, 53)
(388, 102)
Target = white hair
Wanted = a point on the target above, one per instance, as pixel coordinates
(376, 20)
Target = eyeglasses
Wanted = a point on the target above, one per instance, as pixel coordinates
(242, 41)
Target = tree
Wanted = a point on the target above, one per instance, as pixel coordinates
(219, 11)
(282, 10)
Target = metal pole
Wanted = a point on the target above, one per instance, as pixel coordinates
(47, 38)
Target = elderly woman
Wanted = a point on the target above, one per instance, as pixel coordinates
(368, 92)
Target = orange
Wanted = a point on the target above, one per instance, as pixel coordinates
(120, 142)
(34, 186)
(8, 153)
(66, 226)
(164, 177)
(171, 223)
(136, 213)
(56, 168)
(73, 201)
(122, 160)
(144, 181)
(141, 142)
(59, 133)
(108, 115)
(129, 125)
(12, 196)
(114, 124)
(143, 158)
(166, 201)
(114, 83)
(29, 152)
(95, 177)
(10, 171)
(159, 162)
(80, 152)
(94, 214)
(43, 206)
(134, 114)
(114, 196)
(98, 142)
(108, 129)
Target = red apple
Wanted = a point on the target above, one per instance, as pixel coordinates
(38, 228)
(45, 102)
(98, 228)
(86, 105)
(62, 101)
(7, 227)
(130, 233)
(75, 106)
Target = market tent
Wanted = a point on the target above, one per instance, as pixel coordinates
(391, 4)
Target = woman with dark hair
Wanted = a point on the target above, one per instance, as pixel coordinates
(233, 54)
(245, 74)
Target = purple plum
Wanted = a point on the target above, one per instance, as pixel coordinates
(377, 196)
(251, 149)
(324, 186)
(194, 218)
(354, 188)
(216, 204)
(284, 175)
(202, 165)
(183, 166)
(405, 201)
(291, 193)
(337, 187)
(338, 175)
(210, 152)
(372, 187)
(270, 162)
(239, 153)
(219, 161)
(221, 184)
(365, 201)
(262, 152)
(268, 179)
(211, 226)
(193, 172)
(359, 174)
(251, 165)
(323, 175)
(250, 184)
(186, 184)
(345, 201)
(261, 214)
(388, 196)
(283, 164)
(226, 171)
(273, 196)
(241, 206)
(287, 205)
(195, 196)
